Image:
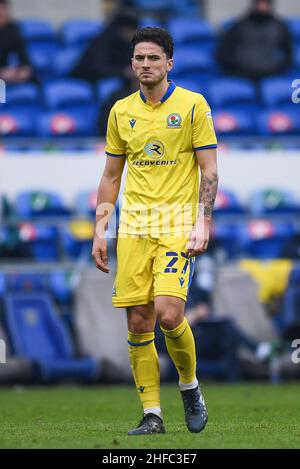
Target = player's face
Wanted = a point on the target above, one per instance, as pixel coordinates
(150, 63)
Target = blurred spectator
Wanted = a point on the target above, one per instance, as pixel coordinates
(258, 45)
(129, 86)
(252, 356)
(110, 52)
(11, 47)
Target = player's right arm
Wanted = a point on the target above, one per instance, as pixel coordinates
(106, 199)
(108, 190)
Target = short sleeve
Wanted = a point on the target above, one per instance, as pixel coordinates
(203, 133)
(115, 146)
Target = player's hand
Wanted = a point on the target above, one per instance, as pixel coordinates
(99, 253)
(199, 237)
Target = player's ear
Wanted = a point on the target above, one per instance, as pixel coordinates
(132, 64)
(170, 64)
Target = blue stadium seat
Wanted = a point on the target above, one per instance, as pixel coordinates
(41, 56)
(274, 201)
(290, 313)
(41, 240)
(33, 204)
(297, 59)
(80, 31)
(23, 94)
(3, 286)
(227, 203)
(191, 84)
(226, 239)
(276, 91)
(14, 122)
(68, 93)
(37, 30)
(65, 60)
(86, 203)
(192, 62)
(294, 278)
(26, 282)
(187, 31)
(264, 239)
(37, 332)
(67, 124)
(294, 26)
(106, 87)
(77, 238)
(231, 92)
(232, 122)
(149, 21)
(60, 286)
(278, 122)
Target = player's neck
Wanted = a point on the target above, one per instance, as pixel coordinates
(155, 93)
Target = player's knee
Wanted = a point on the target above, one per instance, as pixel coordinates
(170, 318)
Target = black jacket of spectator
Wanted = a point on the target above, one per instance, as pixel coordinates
(109, 54)
(255, 47)
(11, 42)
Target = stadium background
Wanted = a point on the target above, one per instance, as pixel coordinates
(57, 323)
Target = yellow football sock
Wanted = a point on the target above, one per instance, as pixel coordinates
(181, 347)
(145, 368)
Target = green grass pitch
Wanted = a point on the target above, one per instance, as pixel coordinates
(240, 416)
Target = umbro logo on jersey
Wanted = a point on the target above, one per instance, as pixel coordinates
(132, 122)
(142, 388)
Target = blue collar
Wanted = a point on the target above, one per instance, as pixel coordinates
(167, 94)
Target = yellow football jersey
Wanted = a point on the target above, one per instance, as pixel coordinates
(159, 140)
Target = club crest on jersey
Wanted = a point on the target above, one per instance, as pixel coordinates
(174, 121)
(132, 122)
(154, 149)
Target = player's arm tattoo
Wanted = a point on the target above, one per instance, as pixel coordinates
(208, 192)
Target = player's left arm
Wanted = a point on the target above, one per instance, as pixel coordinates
(199, 236)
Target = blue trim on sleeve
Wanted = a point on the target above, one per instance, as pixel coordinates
(113, 154)
(140, 344)
(205, 147)
(193, 110)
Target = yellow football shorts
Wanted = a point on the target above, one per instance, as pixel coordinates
(148, 267)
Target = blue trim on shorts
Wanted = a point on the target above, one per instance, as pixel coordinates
(192, 269)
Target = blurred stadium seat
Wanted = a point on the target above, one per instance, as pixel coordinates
(227, 203)
(191, 31)
(273, 201)
(225, 239)
(41, 241)
(276, 92)
(234, 122)
(25, 94)
(86, 203)
(106, 87)
(281, 121)
(37, 333)
(65, 60)
(73, 123)
(67, 94)
(33, 204)
(190, 61)
(37, 30)
(264, 239)
(16, 123)
(232, 92)
(77, 237)
(80, 31)
(41, 56)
